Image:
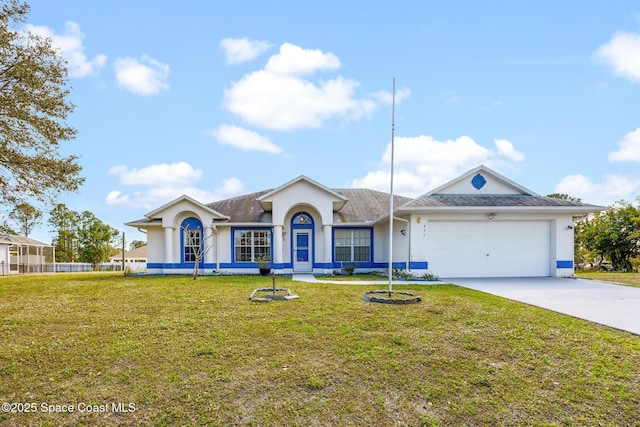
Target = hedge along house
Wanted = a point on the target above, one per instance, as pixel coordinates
(481, 224)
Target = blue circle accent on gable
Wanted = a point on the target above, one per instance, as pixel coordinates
(478, 181)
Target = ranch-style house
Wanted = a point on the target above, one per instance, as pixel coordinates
(480, 224)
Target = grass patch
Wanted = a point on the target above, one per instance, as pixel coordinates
(354, 277)
(628, 279)
(187, 352)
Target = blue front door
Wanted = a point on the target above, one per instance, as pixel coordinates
(302, 251)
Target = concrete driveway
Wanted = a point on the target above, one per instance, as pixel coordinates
(612, 305)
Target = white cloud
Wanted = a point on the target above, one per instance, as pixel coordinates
(622, 53)
(70, 45)
(161, 183)
(242, 50)
(166, 175)
(244, 139)
(293, 60)
(422, 163)
(505, 148)
(230, 186)
(611, 189)
(629, 148)
(145, 76)
(385, 97)
(277, 98)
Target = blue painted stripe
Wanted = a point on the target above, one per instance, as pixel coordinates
(564, 264)
(419, 265)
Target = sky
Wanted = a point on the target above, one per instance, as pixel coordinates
(216, 99)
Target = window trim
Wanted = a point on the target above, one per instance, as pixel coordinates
(191, 224)
(352, 246)
(253, 246)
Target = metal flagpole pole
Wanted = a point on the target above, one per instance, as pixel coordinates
(393, 107)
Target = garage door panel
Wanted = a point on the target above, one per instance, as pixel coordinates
(488, 249)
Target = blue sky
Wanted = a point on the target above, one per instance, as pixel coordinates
(215, 99)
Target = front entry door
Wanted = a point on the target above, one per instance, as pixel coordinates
(302, 257)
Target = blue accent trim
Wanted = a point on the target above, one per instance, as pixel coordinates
(478, 181)
(245, 264)
(191, 223)
(312, 245)
(296, 224)
(418, 265)
(359, 264)
(564, 264)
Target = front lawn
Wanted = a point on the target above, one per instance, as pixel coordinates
(174, 351)
(628, 279)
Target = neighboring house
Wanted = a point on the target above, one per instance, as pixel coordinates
(481, 224)
(135, 259)
(25, 255)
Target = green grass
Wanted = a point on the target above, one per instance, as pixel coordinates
(628, 279)
(188, 352)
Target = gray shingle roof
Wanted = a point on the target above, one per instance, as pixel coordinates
(365, 205)
(369, 205)
(498, 200)
(21, 240)
(243, 208)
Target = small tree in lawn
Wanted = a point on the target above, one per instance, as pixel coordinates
(194, 250)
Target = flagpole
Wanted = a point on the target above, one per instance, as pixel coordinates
(393, 107)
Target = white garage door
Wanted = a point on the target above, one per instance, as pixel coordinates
(489, 248)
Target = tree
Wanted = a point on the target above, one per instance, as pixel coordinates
(65, 224)
(613, 234)
(26, 217)
(563, 196)
(6, 228)
(33, 113)
(135, 244)
(194, 247)
(96, 239)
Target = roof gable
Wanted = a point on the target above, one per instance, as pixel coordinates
(481, 181)
(157, 213)
(482, 188)
(266, 200)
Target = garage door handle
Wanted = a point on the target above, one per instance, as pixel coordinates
(487, 254)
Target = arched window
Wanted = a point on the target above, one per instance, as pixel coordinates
(191, 238)
(302, 220)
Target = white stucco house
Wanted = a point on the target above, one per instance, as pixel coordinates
(480, 224)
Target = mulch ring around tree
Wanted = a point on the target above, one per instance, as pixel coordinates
(393, 297)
